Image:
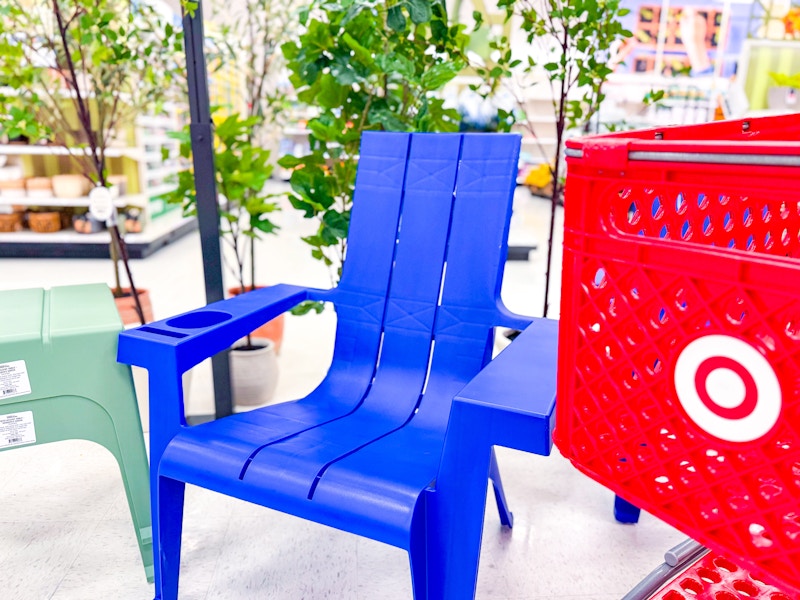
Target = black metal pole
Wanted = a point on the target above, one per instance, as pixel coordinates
(205, 185)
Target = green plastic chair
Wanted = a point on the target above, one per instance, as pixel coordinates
(59, 380)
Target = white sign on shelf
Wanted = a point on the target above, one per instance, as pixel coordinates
(101, 205)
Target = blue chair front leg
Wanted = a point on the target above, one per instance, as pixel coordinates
(166, 495)
(167, 503)
(510, 403)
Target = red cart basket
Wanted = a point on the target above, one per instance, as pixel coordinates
(679, 342)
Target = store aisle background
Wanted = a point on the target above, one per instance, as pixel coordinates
(65, 531)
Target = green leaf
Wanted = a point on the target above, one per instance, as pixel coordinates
(331, 93)
(289, 162)
(263, 224)
(360, 52)
(387, 119)
(439, 74)
(302, 15)
(308, 306)
(336, 223)
(420, 11)
(395, 18)
(396, 64)
(189, 6)
(290, 50)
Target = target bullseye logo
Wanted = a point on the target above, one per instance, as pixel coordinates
(728, 388)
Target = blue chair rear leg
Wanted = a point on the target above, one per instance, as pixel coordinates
(506, 516)
(625, 512)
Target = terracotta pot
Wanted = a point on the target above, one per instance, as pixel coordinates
(127, 307)
(39, 187)
(271, 330)
(12, 188)
(10, 222)
(254, 373)
(44, 222)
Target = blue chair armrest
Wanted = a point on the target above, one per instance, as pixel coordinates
(170, 347)
(515, 394)
(186, 340)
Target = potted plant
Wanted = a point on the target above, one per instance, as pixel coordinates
(79, 71)
(242, 170)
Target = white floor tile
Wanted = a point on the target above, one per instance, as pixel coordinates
(37, 555)
(103, 566)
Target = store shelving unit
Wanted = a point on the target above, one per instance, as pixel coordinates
(157, 159)
(138, 200)
(148, 164)
(69, 244)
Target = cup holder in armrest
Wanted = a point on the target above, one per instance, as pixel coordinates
(199, 319)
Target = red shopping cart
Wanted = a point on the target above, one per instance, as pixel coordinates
(679, 342)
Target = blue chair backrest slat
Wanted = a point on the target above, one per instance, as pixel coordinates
(478, 242)
(416, 276)
(422, 236)
(376, 209)
(476, 256)
(361, 294)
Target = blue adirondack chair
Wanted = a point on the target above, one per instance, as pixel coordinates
(396, 443)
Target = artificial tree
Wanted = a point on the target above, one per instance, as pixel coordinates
(253, 39)
(363, 65)
(76, 71)
(571, 42)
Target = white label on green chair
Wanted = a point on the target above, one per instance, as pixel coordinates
(17, 429)
(14, 380)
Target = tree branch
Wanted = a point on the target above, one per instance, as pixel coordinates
(83, 112)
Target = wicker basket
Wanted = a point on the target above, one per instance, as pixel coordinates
(10, 222)
(44, 222)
